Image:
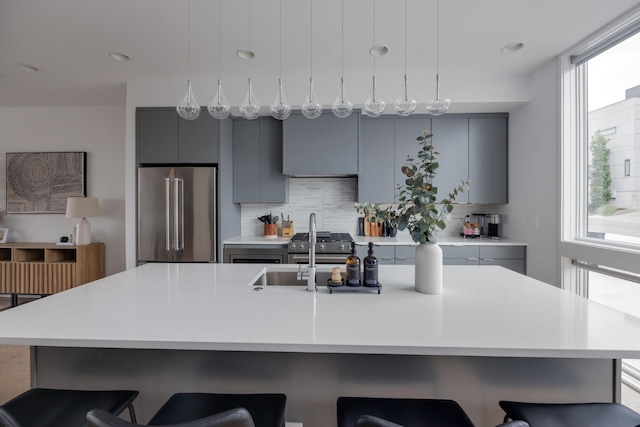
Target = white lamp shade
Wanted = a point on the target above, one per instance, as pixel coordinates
(82, 207)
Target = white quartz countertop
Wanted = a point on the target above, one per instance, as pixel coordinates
(382, 241)
(484, 311)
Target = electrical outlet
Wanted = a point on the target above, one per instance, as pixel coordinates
(532, 221)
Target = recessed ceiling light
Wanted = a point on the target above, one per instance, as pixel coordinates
(120, 56)
(512, 47)
(245, 53)
(29, 68)
(379, 50)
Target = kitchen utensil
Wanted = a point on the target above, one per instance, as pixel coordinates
(275, 219)
(264, 219)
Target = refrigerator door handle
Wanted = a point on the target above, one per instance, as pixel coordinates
(179, 214)
(167, 212)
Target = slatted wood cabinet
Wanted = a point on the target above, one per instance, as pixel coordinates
(47, 268)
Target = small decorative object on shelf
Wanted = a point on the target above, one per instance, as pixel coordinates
(4, 232)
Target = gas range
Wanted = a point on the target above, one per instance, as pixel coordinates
(326, 243)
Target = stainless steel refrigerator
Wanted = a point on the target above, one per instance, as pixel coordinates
(177, 214)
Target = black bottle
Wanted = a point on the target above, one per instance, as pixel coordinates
(353, 267)
(370, 268)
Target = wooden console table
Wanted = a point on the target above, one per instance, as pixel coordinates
(47, 268)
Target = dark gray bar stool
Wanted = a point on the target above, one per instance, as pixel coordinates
(267, 409)
(238, 417)
(571, 414)
(43, 407)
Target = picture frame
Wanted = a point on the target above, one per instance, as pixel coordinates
(41, 182)
(4, 232)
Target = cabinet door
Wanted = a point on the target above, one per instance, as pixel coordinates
(451, 140)
(157, 136)
(274, 185)
(327, 145)
(405, 255)
(246, 161)
(377, 161)
(198, 139)
(406, 131)
(460, 255)
(488, 159)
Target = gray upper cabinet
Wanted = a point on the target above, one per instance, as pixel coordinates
(407, 130)
(163, 137)
(257, 162)
(488, 159)
(376, 180)
(324, 146)
(451, 140)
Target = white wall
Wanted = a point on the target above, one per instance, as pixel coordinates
(97, 130)
(534, 186)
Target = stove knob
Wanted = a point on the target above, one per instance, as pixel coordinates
(322, 246)
(342, 247)
(292, 246)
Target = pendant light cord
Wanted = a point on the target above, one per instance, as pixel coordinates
(374, 38)
(189, 40)
(219, 43)
(405, 37)
(437, 37)
(280, 23)
(311, 42)
(342, 42)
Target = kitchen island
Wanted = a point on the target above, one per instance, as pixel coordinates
(162, 328)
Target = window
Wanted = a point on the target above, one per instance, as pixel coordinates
(627, 167)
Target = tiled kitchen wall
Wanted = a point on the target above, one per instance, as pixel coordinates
(332, 200)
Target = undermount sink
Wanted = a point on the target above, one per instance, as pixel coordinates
(289, 278)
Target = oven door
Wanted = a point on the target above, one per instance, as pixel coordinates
(334, 259)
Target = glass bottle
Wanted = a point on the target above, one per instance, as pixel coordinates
(353, 267)
(370, 268)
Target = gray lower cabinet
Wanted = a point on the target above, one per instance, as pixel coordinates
(511, 257)
(257, 162)
(324, 146)
(390, 254)
(162, 137)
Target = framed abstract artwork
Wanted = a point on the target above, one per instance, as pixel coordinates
(41, 182)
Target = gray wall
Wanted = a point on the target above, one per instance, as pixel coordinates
(534, 183)
(97, 130)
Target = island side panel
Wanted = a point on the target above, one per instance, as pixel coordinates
(313, 382)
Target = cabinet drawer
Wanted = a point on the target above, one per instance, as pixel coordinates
(502, 252)
(385, 254)
(460, 261)
(464, 252)
(405, 251)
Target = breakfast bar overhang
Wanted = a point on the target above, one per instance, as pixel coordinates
(164, 328)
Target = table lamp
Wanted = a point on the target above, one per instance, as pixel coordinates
(82, 207)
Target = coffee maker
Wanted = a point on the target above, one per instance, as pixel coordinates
(493, 226)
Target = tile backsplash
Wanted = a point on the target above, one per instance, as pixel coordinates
(332, 200)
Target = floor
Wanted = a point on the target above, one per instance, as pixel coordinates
(14, 371)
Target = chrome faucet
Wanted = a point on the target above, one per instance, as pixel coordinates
(310, 274)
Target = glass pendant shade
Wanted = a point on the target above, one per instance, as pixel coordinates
(405, 105)
(218, 107)
(341, 106)
(188, 108)
(310, 108)
(250, 106)
(437, 106)
(280, 109)
(373, 106)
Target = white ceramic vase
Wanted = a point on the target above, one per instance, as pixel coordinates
(428, 278)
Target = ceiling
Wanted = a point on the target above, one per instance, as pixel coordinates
(70, 41)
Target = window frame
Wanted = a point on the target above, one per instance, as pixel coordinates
(574, 243)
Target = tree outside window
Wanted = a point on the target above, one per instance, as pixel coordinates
(600, 173)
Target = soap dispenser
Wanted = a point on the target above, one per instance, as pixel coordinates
(353, 267)
(370, 268)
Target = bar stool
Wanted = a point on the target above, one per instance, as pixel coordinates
(571, 414)
(238, 417)
(371, 421)
(406, 412)
(267, 410)
(43, 407)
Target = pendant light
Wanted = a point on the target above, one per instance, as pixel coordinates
(405, 105)
(374, 105)
(280, 109)
(437, 106)
(250, 106)
(341, 106)
(188, 108)
(311, 108)
(218, 107)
